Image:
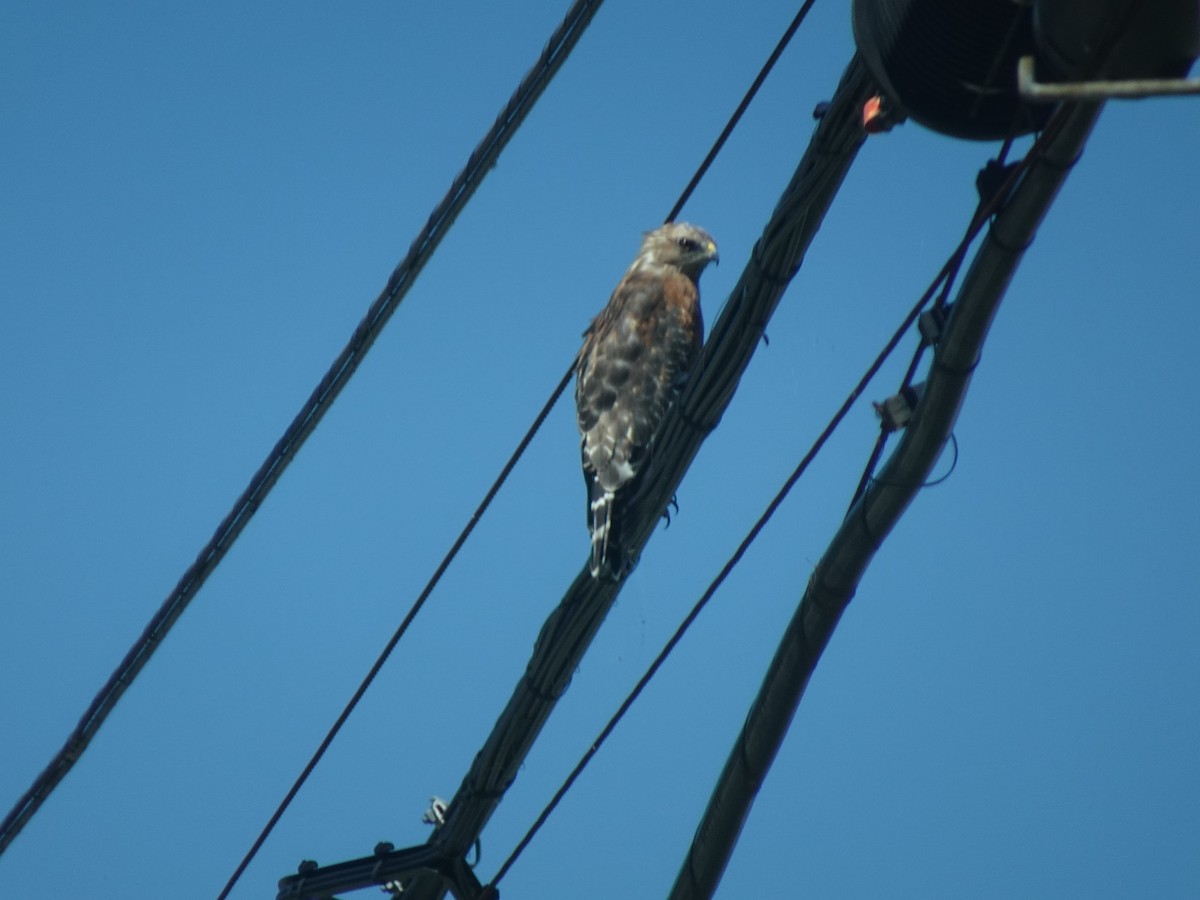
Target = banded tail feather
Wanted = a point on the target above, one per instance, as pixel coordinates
(606, 551)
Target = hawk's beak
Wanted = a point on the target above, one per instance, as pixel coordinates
(712, 253)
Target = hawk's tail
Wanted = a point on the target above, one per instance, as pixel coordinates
(606, 551)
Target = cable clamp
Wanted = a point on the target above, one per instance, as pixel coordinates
(436, 814)
(932, 324)
(992, 179)
(896, 411)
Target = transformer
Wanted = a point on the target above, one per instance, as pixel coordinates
(951, 65)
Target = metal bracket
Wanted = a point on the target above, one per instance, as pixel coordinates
(932, 323)
(436, 814)
(896, 411)
(1053, 92)
(385, 866)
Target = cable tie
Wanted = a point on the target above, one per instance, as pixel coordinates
(938, 363)
(771, 277)
(537, 691)
(1006, 245)
(695, 424)
(1042, 159)
(487, 794)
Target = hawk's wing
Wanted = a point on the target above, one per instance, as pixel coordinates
(634, 358)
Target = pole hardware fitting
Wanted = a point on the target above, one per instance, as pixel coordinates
(897, 410)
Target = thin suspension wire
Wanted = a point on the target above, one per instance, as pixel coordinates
(480, 162)
(741, 109)
(881, 441)
(947, 277)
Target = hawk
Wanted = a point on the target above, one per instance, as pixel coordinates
(635, 359)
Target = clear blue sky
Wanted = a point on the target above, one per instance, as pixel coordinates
(200, 202)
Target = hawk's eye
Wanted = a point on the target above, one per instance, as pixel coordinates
(688, 244)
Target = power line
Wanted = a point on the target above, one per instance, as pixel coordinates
(399, 633)
(461, 189)
(836, 576)
(741, 108)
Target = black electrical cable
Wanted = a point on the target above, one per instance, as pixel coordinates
(480, 162)
(741, 108)
(399, 633)
(932, 482)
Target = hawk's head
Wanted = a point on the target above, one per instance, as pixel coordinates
(678, 244)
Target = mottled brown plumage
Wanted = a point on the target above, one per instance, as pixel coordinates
(636, 355)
